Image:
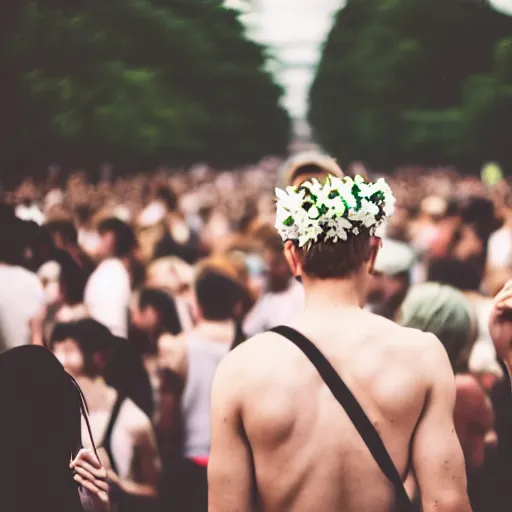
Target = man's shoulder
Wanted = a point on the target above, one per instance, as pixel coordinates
(260, 353)
(389, 336)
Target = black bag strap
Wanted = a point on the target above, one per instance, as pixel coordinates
(107, 440)
(354, 411)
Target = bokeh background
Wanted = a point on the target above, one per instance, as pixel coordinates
(138, 83)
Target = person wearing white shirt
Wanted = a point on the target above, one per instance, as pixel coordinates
(108, 290)
(22, 297)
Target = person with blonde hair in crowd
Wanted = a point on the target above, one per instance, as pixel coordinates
(220, 292)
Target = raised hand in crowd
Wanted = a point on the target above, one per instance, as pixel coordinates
(500, 324)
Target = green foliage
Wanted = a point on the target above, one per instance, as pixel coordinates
(415, 81)
(134, 82)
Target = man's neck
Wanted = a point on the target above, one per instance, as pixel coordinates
(332, 294)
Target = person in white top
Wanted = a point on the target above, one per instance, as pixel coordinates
(22, 297)
(108, 290)
(122, 432)
(284, 296)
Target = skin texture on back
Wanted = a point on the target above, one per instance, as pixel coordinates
(288, 438)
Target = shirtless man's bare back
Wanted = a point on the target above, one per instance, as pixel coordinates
(281, 441)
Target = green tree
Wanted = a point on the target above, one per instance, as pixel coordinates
(137, 82)
(390, 85)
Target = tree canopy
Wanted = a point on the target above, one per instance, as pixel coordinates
(133, 82)
(415, 81)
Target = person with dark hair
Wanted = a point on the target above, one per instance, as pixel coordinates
(65, 237)
(22, 297)
(463, 275)
(347, 401)
(194, 356)
(64, 284)
(156, 324)
(120, 429)
(117, 238)
(72, 280)
(155, 314)
(39, 432)
(108, 290)
(178, 239)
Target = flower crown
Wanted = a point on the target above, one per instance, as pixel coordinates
(333, 210)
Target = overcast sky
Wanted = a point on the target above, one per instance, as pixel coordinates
(295, 30)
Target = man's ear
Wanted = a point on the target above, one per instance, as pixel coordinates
(375, 245)
(291, 253)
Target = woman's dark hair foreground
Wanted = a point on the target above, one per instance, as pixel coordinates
(40, 432)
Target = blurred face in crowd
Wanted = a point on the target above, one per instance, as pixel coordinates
(277, 271)
(144, 319)
(386, 293)
(106, 246)
(70, 356)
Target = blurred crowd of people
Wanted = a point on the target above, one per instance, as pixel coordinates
(141, 285)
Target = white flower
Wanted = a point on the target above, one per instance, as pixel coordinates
(310, 234)
(333, 217)
(290, 199)
(313, 213)
(336, 206)
(366, 214)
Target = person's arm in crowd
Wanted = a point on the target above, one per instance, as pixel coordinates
(172, 362)
(39, 313)
(168, 414)
(438, 460)
(37, 327)
(230, 472)
(148, 465)
(500, 325)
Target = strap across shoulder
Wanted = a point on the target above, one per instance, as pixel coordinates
(353, 409)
